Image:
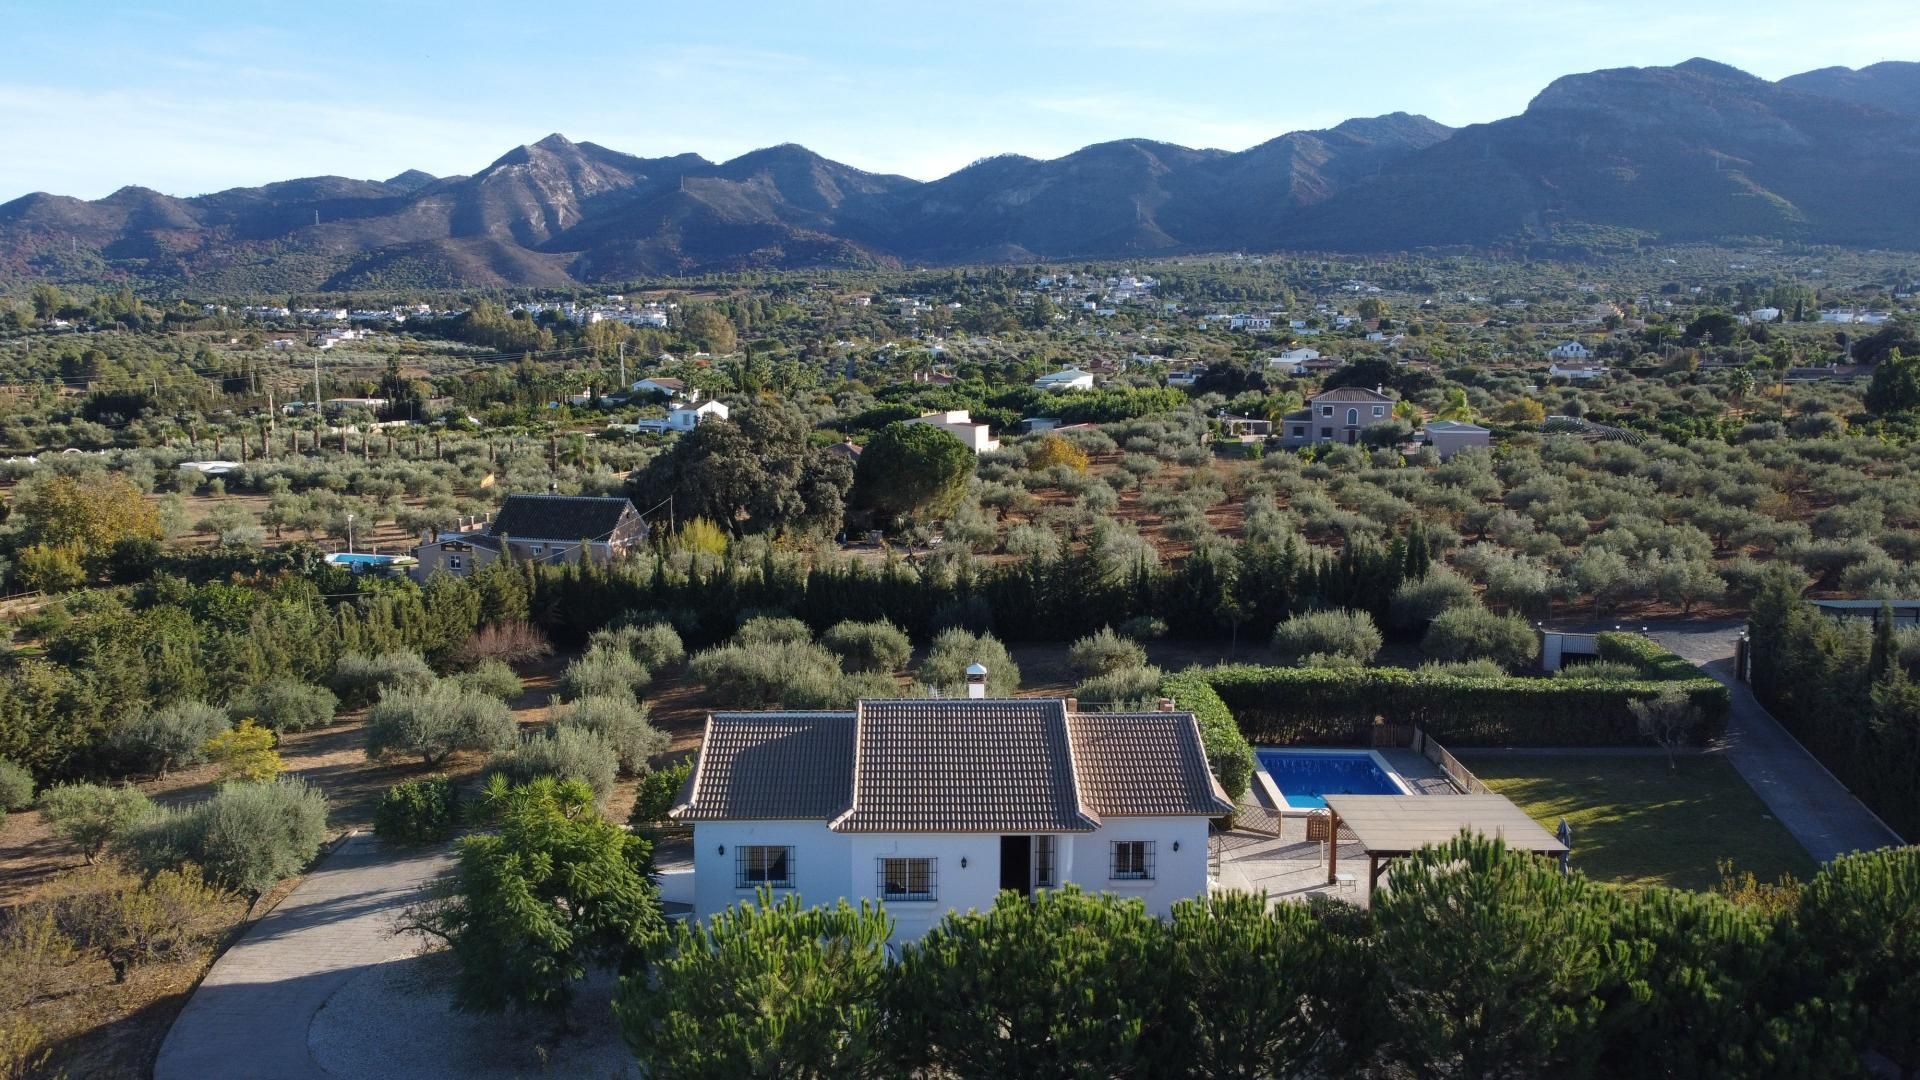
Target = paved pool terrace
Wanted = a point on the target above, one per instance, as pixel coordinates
(1286, 865)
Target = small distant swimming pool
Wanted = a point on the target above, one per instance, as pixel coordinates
(1301, 779)
(359, 560)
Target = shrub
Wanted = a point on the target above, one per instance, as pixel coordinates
(361, 680)
(510, 642)
(654, 797)
(246, 837)
(603, 672)
(1228, 752)
(245, 752)
(1144, 628)
(177, 734)
(130, 922)
(656, 644)
(420, 811)
(1126, 687)
(284, 704)
(1474, 633)
(1336, 633)
(1285, 706)
(1602, 671)
(957, 649)
(1860, 919)
(437, 721)
(1105, 651)
(772, 630)
(1646, 655)
(533, 907)
(493, 679)
(1419, 601)
(1062, 984)
(1465, 669)
(16, 786)
(868, 646)
(1259, 990)
(564, 753)
(765, 676)
(622, 722)
(688, 1017)
(91, 815)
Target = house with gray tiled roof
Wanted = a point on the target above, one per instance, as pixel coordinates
(535, 528)
(936, 805)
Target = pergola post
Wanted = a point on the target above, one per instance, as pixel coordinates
(1374, 865)
(1333, 845)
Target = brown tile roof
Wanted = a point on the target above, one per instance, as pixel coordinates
(1350, 393)
(764, 765)
(957, 765)
(1134, 764)
(950, 765)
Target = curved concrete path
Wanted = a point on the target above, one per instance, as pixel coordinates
(1814, 806)
(250, 1016)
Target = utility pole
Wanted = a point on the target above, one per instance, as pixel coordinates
(316, 385)
(623, 367)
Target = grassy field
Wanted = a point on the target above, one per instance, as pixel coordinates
(1637, 823)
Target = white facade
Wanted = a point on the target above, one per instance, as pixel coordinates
(688, 417)
(828, 866)
(1570, 350)
(1070, 379)
(959, 423)
(1576, 372)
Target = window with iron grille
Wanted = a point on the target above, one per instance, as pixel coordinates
(1131, 860)
(1043, 862)
(906, 879)
(762, 865)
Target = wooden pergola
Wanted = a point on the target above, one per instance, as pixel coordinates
(1389, 826)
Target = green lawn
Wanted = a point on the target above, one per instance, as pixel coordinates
(1637, 823)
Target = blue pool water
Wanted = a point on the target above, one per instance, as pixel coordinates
(360, 559)
(1304, 778)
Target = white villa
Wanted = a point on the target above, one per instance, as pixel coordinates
(959, 423)
(681, 418)
(1069, 379)
(671, 388)
(1570, 350)
(938, 805)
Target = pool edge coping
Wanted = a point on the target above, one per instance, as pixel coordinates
(1280, 803)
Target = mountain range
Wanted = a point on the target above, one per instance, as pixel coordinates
(1696, 151)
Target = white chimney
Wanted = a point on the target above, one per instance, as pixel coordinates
(976, 681)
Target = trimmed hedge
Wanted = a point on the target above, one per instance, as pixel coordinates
(1228, 751)
(1321, 706)
(1647, 655)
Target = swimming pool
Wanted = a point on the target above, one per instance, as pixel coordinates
(1299, 779)
(358, 561)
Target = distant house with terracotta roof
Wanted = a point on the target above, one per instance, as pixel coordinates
(1336, 416)
(935, 805)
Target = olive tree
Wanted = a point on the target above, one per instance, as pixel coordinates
(1349, 634)
(437, 721)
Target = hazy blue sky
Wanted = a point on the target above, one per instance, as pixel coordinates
(190, 97)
